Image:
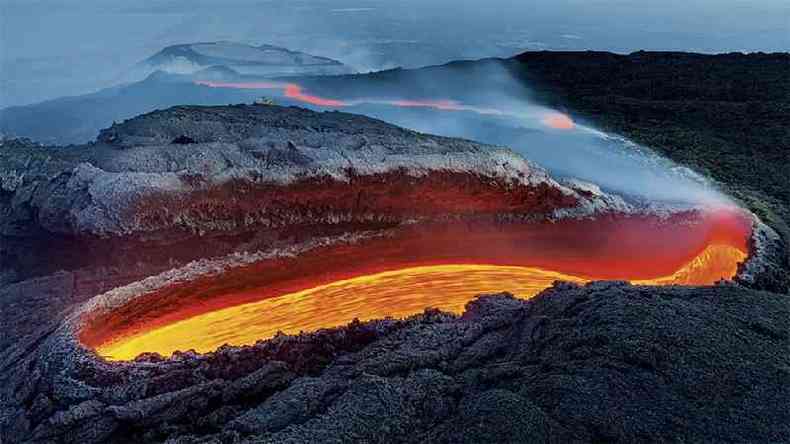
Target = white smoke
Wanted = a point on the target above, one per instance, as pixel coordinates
(492, 106)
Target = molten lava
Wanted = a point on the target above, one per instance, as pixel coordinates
(290, 90)
(471, 236)
(558, 121)
(294, 91)
(397, 293)
(435, 265)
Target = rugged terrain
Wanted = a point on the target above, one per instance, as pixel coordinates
(241, 178)
(723, 115)
(604, 362)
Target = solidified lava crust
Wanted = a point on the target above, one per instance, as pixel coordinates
(254, 175)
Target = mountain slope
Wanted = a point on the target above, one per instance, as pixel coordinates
(263, 60)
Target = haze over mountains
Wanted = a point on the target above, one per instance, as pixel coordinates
(97, 41)
(259, 60)
(486, 100)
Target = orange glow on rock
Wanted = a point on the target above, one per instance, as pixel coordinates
(290, 90)
(294, 91)
(433, 265)
(397, 293)
(559, 121)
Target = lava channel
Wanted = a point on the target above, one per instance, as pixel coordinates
(294, 91)
(439, 265)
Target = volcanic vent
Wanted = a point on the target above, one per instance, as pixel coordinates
(334, 217)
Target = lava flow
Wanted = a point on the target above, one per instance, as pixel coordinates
(558, 121)
(289, 90)
(442, 266)
(296, 92)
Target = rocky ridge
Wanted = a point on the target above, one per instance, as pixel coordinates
(168, 175)
(260, 60)
(723, 115)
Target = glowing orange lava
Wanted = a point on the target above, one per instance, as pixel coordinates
(290, 90)
(441, 266)
(294, 91)
(558, 121)
(396, 293)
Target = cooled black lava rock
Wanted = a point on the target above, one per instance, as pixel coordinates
(724, 115)
(604, 362)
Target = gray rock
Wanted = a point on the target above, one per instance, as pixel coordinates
(146, 197)
(606, 361)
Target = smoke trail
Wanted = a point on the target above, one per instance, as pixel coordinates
(296, 92)
(497, 109)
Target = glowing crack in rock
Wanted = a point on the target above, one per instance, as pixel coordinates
(290, 90)
(451, 235)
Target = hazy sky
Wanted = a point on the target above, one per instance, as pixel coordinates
(50, 48)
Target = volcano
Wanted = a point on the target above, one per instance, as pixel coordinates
(240, 58)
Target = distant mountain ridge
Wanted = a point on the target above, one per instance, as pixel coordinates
(261, 60)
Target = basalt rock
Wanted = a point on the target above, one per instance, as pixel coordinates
(607, 361)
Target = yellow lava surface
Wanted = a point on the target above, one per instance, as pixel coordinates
(397, 293)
